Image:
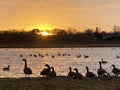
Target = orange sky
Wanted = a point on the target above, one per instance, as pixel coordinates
(49, 14)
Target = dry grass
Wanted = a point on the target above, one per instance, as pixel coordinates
(60, 83)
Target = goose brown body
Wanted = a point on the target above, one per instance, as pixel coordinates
(115, 70)
(70, 73)
(52, 72)
(101, 71)
(89, 74)
(103, 62)
(77, 75)
(46, 71)
(26, 69)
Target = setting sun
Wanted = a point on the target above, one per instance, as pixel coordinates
(44, 33)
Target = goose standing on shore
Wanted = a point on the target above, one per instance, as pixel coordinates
(26, 70)
(52, 72)
(71, 73)
(101, 71)
(6, 68)
(77, 75)
(46, 71)
(115, 70)
(89, 74)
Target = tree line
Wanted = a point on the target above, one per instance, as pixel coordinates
(60, 36)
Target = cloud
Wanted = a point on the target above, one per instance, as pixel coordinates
(31, 3)
(62, 3)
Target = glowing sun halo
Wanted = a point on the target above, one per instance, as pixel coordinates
(44, 33)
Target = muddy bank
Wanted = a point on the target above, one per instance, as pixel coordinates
(60, 83)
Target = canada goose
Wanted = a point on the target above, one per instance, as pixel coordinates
(47, 54)
(46, 71)
(115, 70)
(85, 56)
(52, 72)
(103, 62)
(35, 55)
(117, 56)
(21, 55)
(27, 70)
(101, 71)
(6, 68)
(68, 54)
(30, 54)
(77, 75)
(41, 55)
(78, 56)
(89, 74)
(59, 54)
(53, 56)
(71, 73)
(63, 54)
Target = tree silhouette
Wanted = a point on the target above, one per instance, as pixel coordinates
(97, 34)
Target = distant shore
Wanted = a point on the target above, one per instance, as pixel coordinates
(60, 83)
(59, 45)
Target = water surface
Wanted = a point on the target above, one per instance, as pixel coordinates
(61, 63)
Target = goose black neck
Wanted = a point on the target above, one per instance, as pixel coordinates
(52, 69)
(48, 67)
(70, 69)
(100, 65)
(113, 66)
(25, 63)
(87, 69)
(76, 70)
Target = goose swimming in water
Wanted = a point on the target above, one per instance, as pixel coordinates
(117, 56)
(21, 55)
(86, 56)
(35, 55)
(78, 56)
(53, 56)
(115, 70)
(26, 70)
(6, 68)
(103, 62)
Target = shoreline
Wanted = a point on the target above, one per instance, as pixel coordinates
(60, 83)
(65, 45)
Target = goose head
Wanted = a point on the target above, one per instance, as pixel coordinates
(76, 70)
(25, 60)
(52, 68)
(113, 65)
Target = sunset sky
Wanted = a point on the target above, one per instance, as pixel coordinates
(49, 14)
